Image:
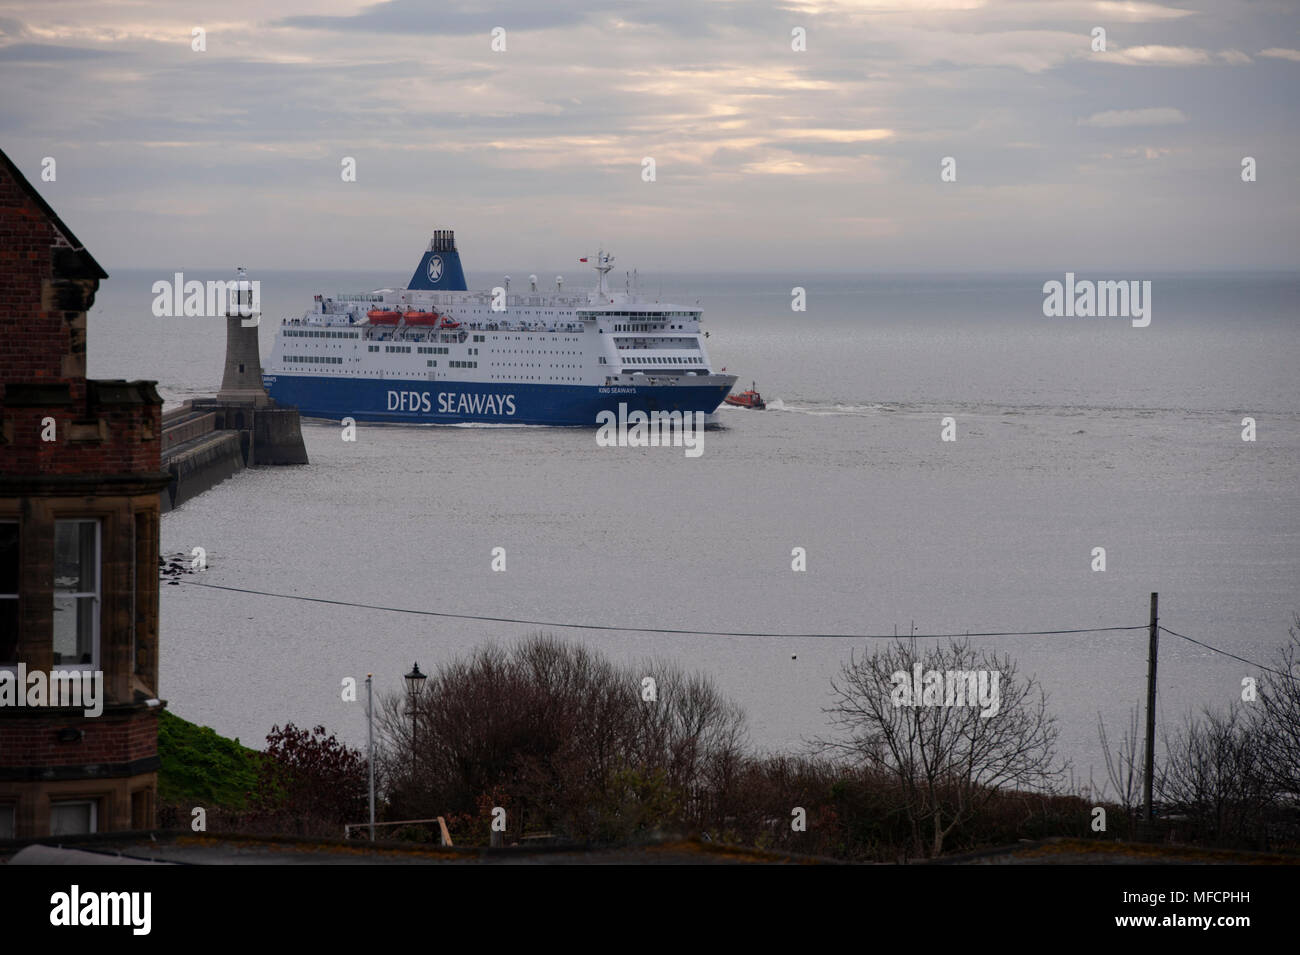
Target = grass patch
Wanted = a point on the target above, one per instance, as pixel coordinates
(201, 768)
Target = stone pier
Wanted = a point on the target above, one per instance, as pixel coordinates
(207, 440)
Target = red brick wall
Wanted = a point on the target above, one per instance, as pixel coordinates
(34, 341)
(37, 340)
(35, 741)
(132, 445)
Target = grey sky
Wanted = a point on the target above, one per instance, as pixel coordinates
(766, 158)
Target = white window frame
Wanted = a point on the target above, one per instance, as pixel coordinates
(96, 594)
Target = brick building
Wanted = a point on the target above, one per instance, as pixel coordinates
(79, 481)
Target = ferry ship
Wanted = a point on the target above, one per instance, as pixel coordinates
(435, 352)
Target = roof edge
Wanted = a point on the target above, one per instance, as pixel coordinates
(92, 269)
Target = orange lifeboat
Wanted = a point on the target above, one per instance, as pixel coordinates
(448, 323)
(421, 318)
(747, 399)
(380, 316)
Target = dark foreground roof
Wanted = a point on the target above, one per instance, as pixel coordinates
(189, 848)
(1063, 851)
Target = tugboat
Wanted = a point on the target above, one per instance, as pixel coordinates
(747, 399)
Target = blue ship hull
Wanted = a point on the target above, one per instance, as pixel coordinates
(452, 402)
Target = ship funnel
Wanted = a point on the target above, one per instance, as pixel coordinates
(439, 268)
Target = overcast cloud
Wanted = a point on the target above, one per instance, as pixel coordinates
(766, 158)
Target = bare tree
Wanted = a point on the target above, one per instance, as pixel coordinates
(692, 734)
(1277, 722)
(1125, 766)
(947, 759)
(1215, 775)
(565, 737)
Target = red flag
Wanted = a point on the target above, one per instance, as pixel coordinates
(582, 260)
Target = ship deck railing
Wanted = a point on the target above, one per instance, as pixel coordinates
(464, 326)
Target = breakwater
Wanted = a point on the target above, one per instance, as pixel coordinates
(206, 441)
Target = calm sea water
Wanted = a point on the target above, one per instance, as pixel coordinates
(1072, 434)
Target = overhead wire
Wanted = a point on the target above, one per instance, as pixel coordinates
(560, 625)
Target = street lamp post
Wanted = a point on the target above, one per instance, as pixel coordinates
(370, 735)
(414, 682)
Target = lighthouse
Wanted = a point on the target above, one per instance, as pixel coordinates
(241, 383)
(267, 433)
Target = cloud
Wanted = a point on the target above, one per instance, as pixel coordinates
(415, 17)
(1160, 56)
(1138, 12)
(743, 127)
(916, 46)
(462, 17)
(886, 6)
(44, 53)
(779, 167)
(1043, 11)
(837, 135)
(1155, 116)
(1139, 152)
(11, 28)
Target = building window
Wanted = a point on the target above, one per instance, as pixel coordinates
(8, 595)
(76, 593)
(74, 817)
(8, 821)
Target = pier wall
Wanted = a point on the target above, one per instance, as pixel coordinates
(200, 465)
(187, 430)
(206, 441)
(277, 437)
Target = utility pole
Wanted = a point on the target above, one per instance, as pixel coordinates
(1152, 650)
(370, 733)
